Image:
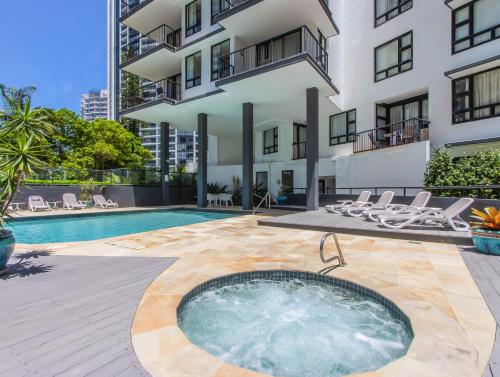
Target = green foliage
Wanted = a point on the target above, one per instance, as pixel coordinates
(87, 188)
(215, 188)
(481, 168)
(237, 190)
(23, 142)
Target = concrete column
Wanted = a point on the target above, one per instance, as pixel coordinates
(164, 162)
(247, 179)
(202, 160)
(312, 136)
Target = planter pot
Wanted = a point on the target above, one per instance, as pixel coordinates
(486, 241)
(282, 199)
(7, 243)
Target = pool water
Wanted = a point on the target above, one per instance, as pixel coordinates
(89, 227)
(294, 328)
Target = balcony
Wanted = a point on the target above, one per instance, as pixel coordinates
(300, 42)
(128, 6)
(143, 15)
(239, 16)
(163, 36)
(395, 134)
(166, 89)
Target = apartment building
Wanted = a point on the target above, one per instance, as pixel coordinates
(320, 95)
(94, 105)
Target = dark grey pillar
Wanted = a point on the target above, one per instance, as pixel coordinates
(202, 160)
(247, 179)
(312, 139)
(164, 162)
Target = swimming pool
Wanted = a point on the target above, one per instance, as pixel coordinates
(88, 227)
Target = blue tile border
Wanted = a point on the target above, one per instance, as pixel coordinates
(284, 275)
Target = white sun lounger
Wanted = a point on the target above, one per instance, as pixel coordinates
(36, 203)
(70, 202)
(100, 201)
(383, 203)
(362, 199)
(431, 216)
(419, 202)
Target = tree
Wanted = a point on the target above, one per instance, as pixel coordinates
(23, 141)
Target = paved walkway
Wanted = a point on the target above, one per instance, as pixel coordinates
(71, 315)
(486, 272)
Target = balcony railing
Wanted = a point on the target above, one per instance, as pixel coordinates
(300, 41)
(161, 35)
(163, 89)
(405, 132)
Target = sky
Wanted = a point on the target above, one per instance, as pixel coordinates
(59, 46)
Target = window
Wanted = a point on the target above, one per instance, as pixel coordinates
(394, 57)
(218, 7)
(271, 141)
(476, 96)
(410, 108)
(388, 9)
(193, 17)
(343, 128)
(193, 70)
(221, 49)
(261, 181)
(475, 23)
(299, 141)
(287, 181)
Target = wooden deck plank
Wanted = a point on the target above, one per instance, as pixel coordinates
(73, 318)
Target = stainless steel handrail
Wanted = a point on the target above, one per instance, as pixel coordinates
(340, 257)
(267, 199)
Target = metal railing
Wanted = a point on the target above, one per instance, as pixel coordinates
(161, 35)
(162, 89)
(300, 41)
(405, 132)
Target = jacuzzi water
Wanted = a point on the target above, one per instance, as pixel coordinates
(294, 328)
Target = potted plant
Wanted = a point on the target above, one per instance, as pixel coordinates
(283, 192)
(486, 230)
(23, 141)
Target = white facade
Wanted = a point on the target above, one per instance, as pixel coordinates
(94, 105)
(417, 104)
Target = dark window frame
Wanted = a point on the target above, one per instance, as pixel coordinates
(196, 27)
(196, 80)
(386, 16)
(273, 148)
(471, 36)
(350, 136)
(216, 71)
(297, 143)
(470, 95)
(266, 189)
(401, 62)
(224, 5)
(291, 172)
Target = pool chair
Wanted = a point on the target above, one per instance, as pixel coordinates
(449, 217)
(362, 199)
(226, 199)
(212, 200)
(419, 202)
(101, 202)
(36, 203)
(70, 202)
(383, 203)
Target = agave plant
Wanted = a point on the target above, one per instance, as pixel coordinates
(489, 219)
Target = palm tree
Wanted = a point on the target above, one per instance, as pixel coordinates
(23, 140)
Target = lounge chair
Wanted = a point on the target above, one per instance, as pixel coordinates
(362, 198)
(420, 201)
(383, 203)
(226, 199)
(212, 200)
(36, 203)
(100, 201)
(70, 202)
(431, 216)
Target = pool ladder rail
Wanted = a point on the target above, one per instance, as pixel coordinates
(340, 257)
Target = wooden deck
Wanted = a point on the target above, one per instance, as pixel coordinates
(71, 315)
(486, 272)
(328, 222)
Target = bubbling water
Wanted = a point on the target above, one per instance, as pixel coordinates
(295, 328)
